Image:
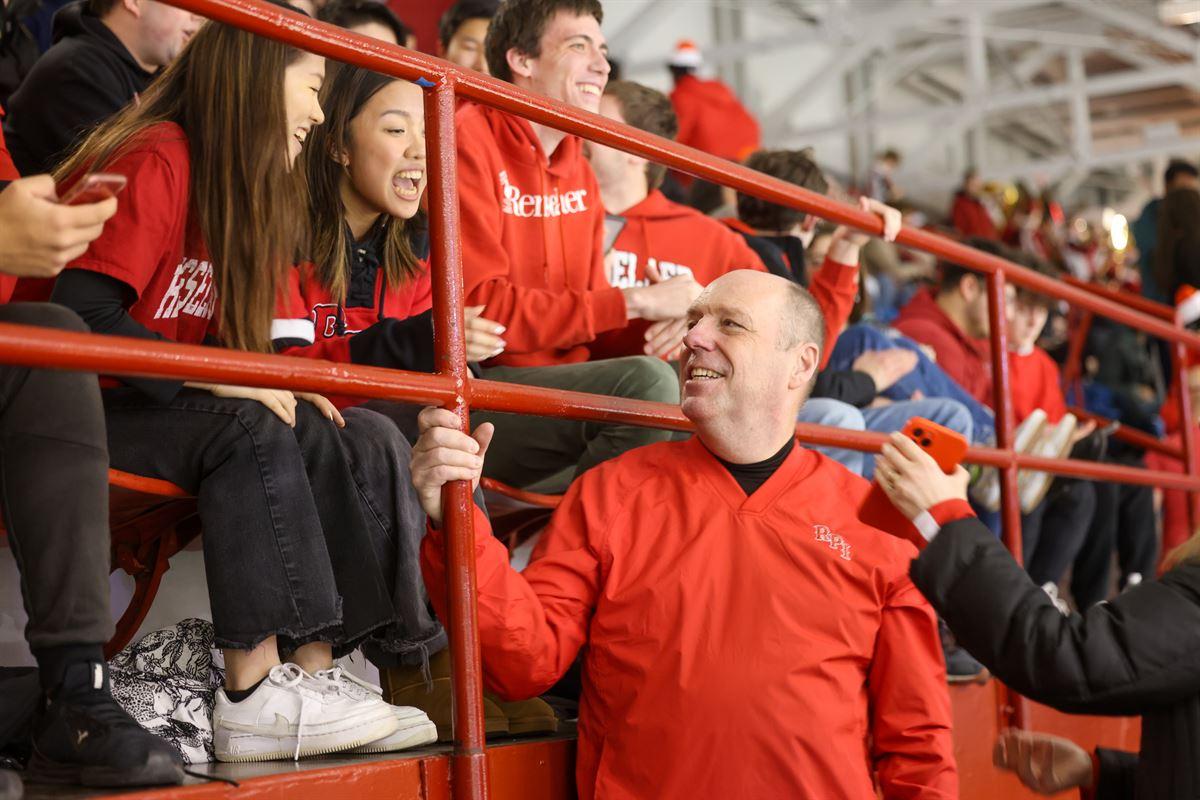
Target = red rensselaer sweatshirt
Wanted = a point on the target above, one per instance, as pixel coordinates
(531, 240)
(680, 241)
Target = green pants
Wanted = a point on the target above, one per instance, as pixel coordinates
(545, 454)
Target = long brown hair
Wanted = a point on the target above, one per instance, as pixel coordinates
(347, 89)
(1178, 228)
(225, 90)
(1186, 553)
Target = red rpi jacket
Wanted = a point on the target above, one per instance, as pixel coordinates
(762, 647)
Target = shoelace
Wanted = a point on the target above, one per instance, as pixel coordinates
(287, 676)
(338, 676)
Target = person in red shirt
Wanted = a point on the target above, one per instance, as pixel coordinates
(690, 570)
(299, 503)
(365, 298)
(55, 499)
(365, 295)
(657, 239)
(1067, 512)
(711, 118)
(969, 215)
(952, 319)
(532, 229)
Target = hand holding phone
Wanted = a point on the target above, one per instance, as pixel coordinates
(945, 446)
(94, 187)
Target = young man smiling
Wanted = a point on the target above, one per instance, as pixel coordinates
(746, 636)
(658, 238)
(533, 223)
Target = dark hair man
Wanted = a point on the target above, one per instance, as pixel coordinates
(105, 53)
(533, 223)
(462, 32)
(370, 18)
(657, 238)
(1179, 174)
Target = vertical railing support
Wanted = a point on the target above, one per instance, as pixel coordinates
(1010, 501)
(1187, 430)
(469, 760)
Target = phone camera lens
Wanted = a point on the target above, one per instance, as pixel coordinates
(926, 442)
(918, 432)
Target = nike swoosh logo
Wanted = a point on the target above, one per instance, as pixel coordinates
(281, 727)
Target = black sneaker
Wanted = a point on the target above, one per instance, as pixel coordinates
(82, 735)
(10, 785)
(961, 666)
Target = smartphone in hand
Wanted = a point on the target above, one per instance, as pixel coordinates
(947, 448)
(94, 187)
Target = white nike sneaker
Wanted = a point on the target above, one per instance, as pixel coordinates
(292, 714)
(415, 728)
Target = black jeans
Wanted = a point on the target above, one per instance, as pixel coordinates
(1125, 521)
(54, 490)
(309, 533)
(1055, 532)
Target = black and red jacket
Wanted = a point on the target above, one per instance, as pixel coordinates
(375, 324)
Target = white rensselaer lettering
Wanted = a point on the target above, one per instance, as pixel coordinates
(518, 204)
(186, 293)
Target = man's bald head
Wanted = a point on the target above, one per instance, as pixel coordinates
(800, 316)
(753, 348)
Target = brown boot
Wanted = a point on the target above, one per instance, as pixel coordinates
(526, 716)
(406, 686)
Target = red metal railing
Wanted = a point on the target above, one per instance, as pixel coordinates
(453, 388)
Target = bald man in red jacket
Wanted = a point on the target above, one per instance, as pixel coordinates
(747, 636)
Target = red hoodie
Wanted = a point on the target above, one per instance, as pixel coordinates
(712, 119)
(680, 241)
(532, 234)
(769, 646)
(8, 172)
(1036, 383)
(971, 218)
(964, 359)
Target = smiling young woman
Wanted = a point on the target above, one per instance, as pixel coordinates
(205, 232)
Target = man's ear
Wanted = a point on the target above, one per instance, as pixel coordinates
(519, 63)
(969, 286)
(805, 361)
(133, 7)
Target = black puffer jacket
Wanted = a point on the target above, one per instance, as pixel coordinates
(1136, 655)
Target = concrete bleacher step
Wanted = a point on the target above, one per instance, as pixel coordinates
(543, 768)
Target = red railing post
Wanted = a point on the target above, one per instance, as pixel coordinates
(469, 760)
(1073, 370)
(1187, 430)
(1010, 501)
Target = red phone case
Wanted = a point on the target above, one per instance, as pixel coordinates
(93, 188)
(947, 448)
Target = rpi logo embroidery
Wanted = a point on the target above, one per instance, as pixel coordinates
(834, 540)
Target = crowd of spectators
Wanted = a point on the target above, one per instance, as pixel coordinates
(273, 202)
